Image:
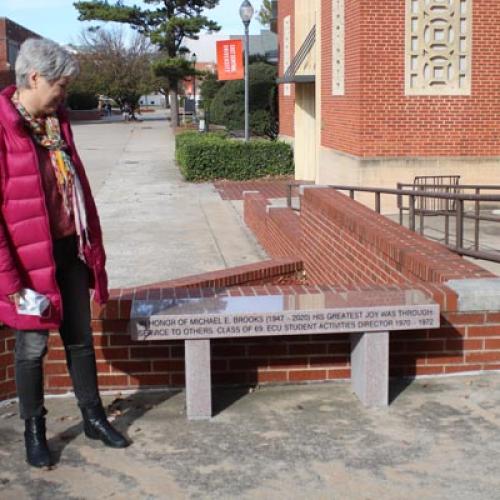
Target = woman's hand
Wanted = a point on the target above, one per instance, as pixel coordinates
(15, 298)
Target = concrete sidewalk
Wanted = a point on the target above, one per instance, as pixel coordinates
(156, 226)
(439, 439)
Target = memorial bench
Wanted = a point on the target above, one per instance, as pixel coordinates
(367, 316)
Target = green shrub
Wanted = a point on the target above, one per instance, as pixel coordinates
(262, 123)
(213, 156)
(228, 106)
(82, 100)
(208, 90)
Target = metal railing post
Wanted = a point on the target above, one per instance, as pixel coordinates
(421, 200)
(411, 222)
(399, 186)
(476, 221)
(459, 237)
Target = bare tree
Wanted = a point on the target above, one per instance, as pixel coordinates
(116, 64)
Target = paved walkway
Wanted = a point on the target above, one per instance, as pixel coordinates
(156, 226)
(438, 440)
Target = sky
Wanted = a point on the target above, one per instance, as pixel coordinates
(58, 20)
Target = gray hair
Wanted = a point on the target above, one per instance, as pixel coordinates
(45, 57)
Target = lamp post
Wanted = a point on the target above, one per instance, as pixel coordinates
(193, 59)
(246, 14)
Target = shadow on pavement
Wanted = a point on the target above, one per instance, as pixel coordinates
(223, 398)
(397, 386)
(122, 412)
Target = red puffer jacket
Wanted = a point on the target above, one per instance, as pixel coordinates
(26, 259)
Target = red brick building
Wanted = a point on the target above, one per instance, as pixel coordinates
(12, 35)
(376, 92)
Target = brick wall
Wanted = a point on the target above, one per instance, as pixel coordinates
(347, 243)
(10, 30)
(123, 363)
(374, 118)
(429, 126)
(7, 78)
(286, 103)
(278, 229)
(3, 45)
(7, 384)
(342, 115)
(84, 114)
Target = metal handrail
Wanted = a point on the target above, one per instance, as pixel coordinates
(459, 211)
(460, 186)
(407, 192)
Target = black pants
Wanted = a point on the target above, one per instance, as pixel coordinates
(31, 346)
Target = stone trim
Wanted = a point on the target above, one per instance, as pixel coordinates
(477, 294)
(338, 49)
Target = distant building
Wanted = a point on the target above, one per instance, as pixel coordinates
(189, 89)
(12, 35)
(265, 44)
(153, 99)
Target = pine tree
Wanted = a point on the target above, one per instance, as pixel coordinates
(167, 25)
(265, 13)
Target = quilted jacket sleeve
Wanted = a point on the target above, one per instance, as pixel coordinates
(10, 281)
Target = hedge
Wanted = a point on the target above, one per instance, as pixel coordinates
(82, 100)
(203, 157)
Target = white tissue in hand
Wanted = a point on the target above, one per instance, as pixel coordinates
(32, 303)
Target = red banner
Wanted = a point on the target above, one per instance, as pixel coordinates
(230, 60)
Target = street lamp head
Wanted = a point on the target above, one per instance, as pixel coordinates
(193, 57)
(246, 12)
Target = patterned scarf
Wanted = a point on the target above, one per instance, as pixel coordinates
(47, 133)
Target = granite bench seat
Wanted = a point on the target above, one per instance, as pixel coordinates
(368, 318)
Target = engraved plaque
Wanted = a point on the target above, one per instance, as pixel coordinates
(221, 316)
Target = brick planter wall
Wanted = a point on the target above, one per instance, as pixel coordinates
(124, 364)
(7, 384)
(377, 255)
(278, 229)
(343, 243)
(84, 115)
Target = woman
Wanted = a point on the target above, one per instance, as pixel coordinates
(50, 241)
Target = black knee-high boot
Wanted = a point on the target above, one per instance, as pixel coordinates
(96, 426)
(37, 450)
(83, 370)
(29, 381)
